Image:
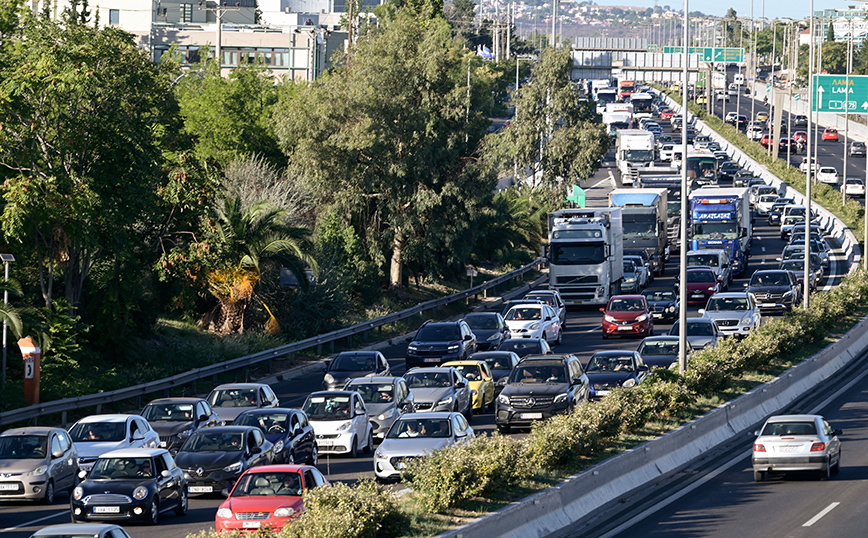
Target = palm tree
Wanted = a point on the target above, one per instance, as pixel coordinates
(249, 237)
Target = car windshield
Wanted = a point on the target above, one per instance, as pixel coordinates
(424, 380)
(481, 321)
(258, 484)
(721, 304)
(715, 230)
(438, 333)
(521, 347)
(602, 363)
(328, 407)
(545, 298)
(497, 362)
(19, 447)
(91, 432)
(205, 441)
(374, 393)
(708, 260)
(267, 422)
(420, 427)
(789, 428)
(626, 305)
(538, 373)
(629, 267)
(519, 313)
(700, 276)
(696, 329)
(770, 279)
(233, 398)
(168, 412)
(658, 348)
(471, 372)
(660, 296)
(352, 362)
(794, 265)
(121, 468)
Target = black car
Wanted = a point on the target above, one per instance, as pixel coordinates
(539, 387)
(212, 459)
(778, 208)
(489, 328)
(500, 363)
(659, 351)
(175, 419)
(857, 149)
(436, 343)
(800, 120)
(609, 369)
(663, 304)
(525, 346)
(773, 290)
(352, 364)
(288, 430)
(742, 177)
(728, 170)
(130, 484)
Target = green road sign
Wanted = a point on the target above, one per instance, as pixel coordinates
(833, 94)
(673, 50)
(652, 47)
(710, 54)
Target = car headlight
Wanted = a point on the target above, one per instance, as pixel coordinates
(789, 293)
(494, 337)
(630, 280)
(77, 493)
(412, 347)
(670, 309)
(610, 319)
(560, 398)
(747, 320)
(345, 426)
(278, 446)
(387, 415)
(534, 326)
(329, 379)
(503, 399)
(284, 511)
(225, 513)
(39, 471)
(643, 317)
(379, 455)
(140, 493)
(453, 348)
(185, 434)
(629, 383)
(445, 401)
(235, 467)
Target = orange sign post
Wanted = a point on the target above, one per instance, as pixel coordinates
(32, 354)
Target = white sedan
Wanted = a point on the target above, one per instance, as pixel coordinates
(534, 321)
(828, 175)
(854, 186)
(796, 443)
(764, 204)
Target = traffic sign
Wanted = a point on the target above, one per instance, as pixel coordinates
(711, 54)
(835, 93)
(652, 47)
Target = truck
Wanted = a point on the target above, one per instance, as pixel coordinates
(634, 149)
(721, 219)
(701, 168)
(660, 177)
(643, 212)
(643, 105)
(617, 116)
(585, 254)
(604, 96)
(626, 89)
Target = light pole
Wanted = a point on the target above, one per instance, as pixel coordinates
(682, 250)
(220, 10)
(806, 277)
(7, 259)
(848, 68)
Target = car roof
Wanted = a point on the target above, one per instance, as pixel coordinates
(278, 468)
(702, 268)
(135, 452)
(786, 418)
(271, 410)
(438, 414)
(731, 294)
(76, 529)
(31, 430)
(332, 393)
(634, 296)
(175, 400)
(239, 386)
(614, 352)
(106, 418)
(425, 369)
(373, 380)
(661, 338)
(357, 354)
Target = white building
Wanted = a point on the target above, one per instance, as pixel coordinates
(847, 23)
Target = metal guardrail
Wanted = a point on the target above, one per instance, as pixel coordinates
(102, 398)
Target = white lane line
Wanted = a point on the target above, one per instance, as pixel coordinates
(820, 515)
(595, 329)
(31, 523)
(605, 179)
(764, 249)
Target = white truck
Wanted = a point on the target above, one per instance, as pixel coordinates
(635, 148)
(644, 216)
(586, 254)
(618, 116)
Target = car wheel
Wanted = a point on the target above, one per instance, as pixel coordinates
(290, 460)
(369, 448)
(314, 456)
(49, 493)
(181, 509)
(837, 467)
(505, 430)
(353, 449)
(469, 413)
(605, 336)
(153, 513)
(560, 337)
(759, 476)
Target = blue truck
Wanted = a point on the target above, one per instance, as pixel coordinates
(721, 219)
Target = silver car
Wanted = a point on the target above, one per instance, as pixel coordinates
(91, 530)
(796, 443)
(36, 462)
(232, 399)
(440, 389)
(415, 434)
(386, 399)
(97, 434)
(736, 313)
(701, 332)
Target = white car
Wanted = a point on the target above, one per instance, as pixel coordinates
(803, 168)
(95, 435)
(796, 443)
(534, 321)
(722, 96)
(736, 313)
(828, 175)
(764, 204)
(643, 271)
(667, 151)
(340, 422)
(755, 133)
(854, 186)
(416, 434)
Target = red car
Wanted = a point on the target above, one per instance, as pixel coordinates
(830, 134)
(667, 114)
(627, 315)
(701, 284)
(800, 136)
(765, 140)
(267, 497)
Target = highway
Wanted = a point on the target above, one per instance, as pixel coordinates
(582, 337)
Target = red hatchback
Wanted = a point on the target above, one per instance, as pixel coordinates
(830, 134)
(765, 140)
(627, 315)
(800, 136)
(701, 284)
(267, 497)
(666, 114)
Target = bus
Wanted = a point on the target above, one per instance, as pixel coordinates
(701, 168)
(642, 105)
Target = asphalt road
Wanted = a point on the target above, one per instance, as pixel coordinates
(582, 337)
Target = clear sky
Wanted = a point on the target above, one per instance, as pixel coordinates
(773, 8)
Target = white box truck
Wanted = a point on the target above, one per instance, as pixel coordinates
(635, 148)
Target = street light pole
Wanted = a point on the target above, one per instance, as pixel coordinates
(682, 250)
(806, 277)
(7, 259)
(847, 112)
(220, 10)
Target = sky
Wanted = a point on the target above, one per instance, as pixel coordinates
(773, 8)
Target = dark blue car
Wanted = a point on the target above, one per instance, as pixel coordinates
(288, 430)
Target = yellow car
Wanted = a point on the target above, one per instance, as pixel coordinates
(479, 380)
(762, 116)
(701, 99)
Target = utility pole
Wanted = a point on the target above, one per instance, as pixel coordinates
(806, 278)
(220, 10)
(682, 250)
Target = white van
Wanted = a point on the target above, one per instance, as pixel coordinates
(738, 79)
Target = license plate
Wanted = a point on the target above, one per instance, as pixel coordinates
(625, 328)
(787, 448)
(250, 524)
(697, 296)
(656, 315)
(768, 305)
(531, 415)
(162, 444)
(200, 489)
(8, 487)
(106, 509)
(432, 360)
(401, 465)
(602, 393)
(325, 442)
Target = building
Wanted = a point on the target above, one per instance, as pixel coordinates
(847, 24)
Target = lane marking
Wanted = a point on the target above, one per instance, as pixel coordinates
(31, 523)
(605, 179)
(820, 515)
(595, 329)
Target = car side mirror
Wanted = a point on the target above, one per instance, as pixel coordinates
(468, 337)
(82, 474)
(460, 385)
(255, 450)
(57, 454)
(778, 259)
(297, 432)
(548, 318)
(643, 368)
(409, 339)
(203, 418)
(461, 435)
(409, 398)
(746, 285)
(360, 413)
(701, 311)
(138, 436)
(166, 473)
(839, 432)
(602, 310)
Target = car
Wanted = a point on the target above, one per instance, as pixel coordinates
(627, 315)
(742, 177)
(731, 117)
(721, 96)
(632, 277)
(797, 267)
(728, 169)
(830, 134)
(96, 434)
(666, 152)
(415, 435)
(717, 259)
(77, 530)
(828, 175)
(288, 430)
(386, 399)
(721, 156)
(340, 422)
(854, 186)
(803, 167)
(651, 263)
(777, 210)
(553, 299)
(800, 120)
(701, 99)
(772, 290)
(796, 250)
(479, 380)
(740, 122)
(489, 327)
(37, 462)
(754, 133)
(788, 145)
(539, 387)
(525, 346)
(659, 351)
(130, 484)
(534, 321)
(666, 114)
(174, 419)
(232, 399)
(766, 140)
(701, 332)
(352, 364)
(436, 343)
(762, 117)
(764, 204)
(857, 149)
(701, 284)
(796, 443)
(507, 305)
(212, 459)
(609, 369)
(736, 313)
(440, 389)
(500, 363)
(663, 304)
(790, 216)
(800, 136)
(267, 497)
(762, 190)
(642, 275)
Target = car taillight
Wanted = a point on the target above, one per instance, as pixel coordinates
(818, 447)
(759, 448)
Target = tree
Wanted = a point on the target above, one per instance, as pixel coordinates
(830, 34)
(461, 14)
